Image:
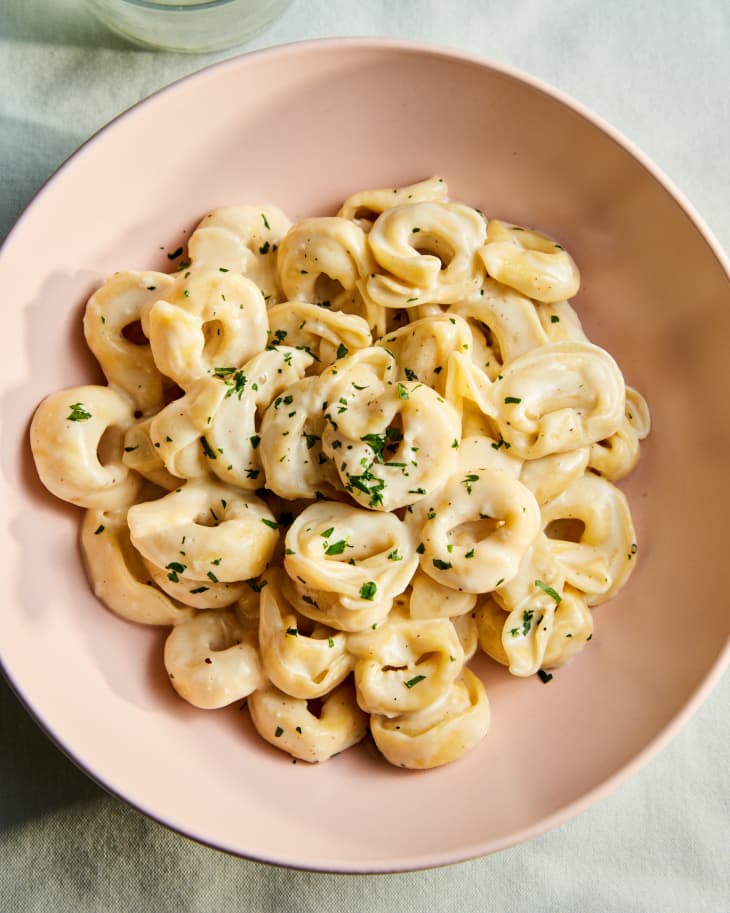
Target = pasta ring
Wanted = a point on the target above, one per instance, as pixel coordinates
(530, 262)
(194, 593)
(615, 457)
(208, 320)
(405, 664)
(592, 536)
(325, 334)
(242, 239)
(431, 599)
(111, 310)
(561, 396)
(292, 725)
(291, 445)
(441, 732)
(428, 252)
(175, 530)
(302, 660)
(476, 530)
(76, 437)
(328, 609)
(118, 575)
(322, 259)
(363, 557)
(504, 325)
(364, 207)
(212, 660)
(384, 466)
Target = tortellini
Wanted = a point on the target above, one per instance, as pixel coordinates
(340, 457)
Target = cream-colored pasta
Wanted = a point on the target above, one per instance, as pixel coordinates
(321, 261)
(530, 262)
(208, 320)
(405, 664)
(141, 455)
(476, 530)
(560, 322)
(191, 592)
(212, 660)
(391, 442)
(77, 437)
(547, 476)
(427, 253)
(592, 536)
(302, 660)
(112, 327)
(291, 444)
(431, 599)
(328, 609)
(423, 347)
(441, 732)
(528, 639)
(242, 239)
(504, 323)
(326, 334)
(561, 396)
(208, 530)
(362, 556)
(233, 430)
(339, 456)
(290, 724)
(118, 575)
(364, 207)
(617, 455)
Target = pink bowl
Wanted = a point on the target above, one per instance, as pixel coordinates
(303, 126)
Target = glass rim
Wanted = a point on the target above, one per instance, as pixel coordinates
(175, 6)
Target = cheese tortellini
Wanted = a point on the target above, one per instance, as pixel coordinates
(340, 457)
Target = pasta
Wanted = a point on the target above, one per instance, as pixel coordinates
(339, 458)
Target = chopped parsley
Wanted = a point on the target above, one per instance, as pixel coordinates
(441, 565)
(544, 676)
(175, 568)
(414, 681)
(78, 413)
(368, 590)
(272, 524)
(337, 548)
(207, 449)
(553, 594)
(471, 477)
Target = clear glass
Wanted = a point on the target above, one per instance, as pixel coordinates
(187, 25)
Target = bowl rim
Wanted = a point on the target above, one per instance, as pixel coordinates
(711, 676)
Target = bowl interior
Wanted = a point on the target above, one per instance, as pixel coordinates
(303, 127)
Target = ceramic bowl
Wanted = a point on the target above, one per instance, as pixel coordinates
(303, 126)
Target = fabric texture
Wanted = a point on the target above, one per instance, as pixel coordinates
(660, 843)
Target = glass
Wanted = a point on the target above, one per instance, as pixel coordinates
(187, 25)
